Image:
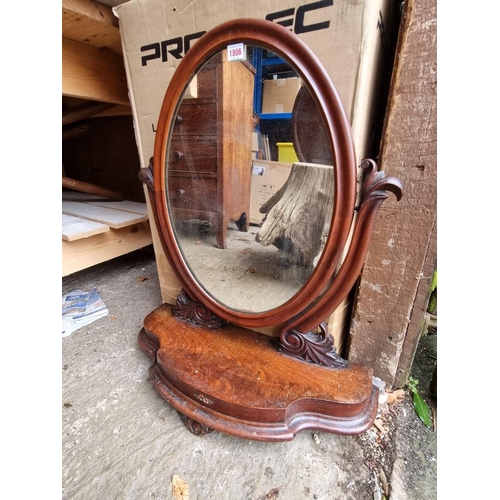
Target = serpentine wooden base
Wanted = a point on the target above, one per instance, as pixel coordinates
(235, 381)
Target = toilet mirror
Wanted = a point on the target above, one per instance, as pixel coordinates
(252, 145)
(221, 174)
(246, 349)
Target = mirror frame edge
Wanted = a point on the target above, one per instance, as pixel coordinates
(288, 45)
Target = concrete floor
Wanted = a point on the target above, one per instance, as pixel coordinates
(121, 440)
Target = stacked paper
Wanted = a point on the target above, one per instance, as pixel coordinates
(81, 308)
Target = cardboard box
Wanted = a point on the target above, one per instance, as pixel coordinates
(267, 178)
(255, 142)
(349, 38)
(278, 96)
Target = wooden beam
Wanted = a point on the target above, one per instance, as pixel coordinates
(395, 286)
(93, 74)
(87, 187)
(92, 23)
(75, 131)
(91, 10)
(118, 110)
(82, 111)
(420, 319)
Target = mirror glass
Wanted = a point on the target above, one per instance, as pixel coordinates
(249, 179)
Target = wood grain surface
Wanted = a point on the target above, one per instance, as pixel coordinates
(235, 380)
(395, 285)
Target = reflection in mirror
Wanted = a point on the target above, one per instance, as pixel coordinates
(249, 218)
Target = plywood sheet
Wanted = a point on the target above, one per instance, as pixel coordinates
(127, 206)
(74, 228)
(115, 219)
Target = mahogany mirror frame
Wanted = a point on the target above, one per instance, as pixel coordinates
(313, 300)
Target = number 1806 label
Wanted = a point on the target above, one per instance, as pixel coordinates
(236, 52)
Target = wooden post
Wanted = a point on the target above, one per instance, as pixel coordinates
(87, 187)
(394, 290)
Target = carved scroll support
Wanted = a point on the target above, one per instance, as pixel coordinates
(193, 311)
(375, 185)
(313, 347)
(374, 192)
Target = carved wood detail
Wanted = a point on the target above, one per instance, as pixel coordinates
(195, 312)
(313, 347)
(376, 183)
(235, 381)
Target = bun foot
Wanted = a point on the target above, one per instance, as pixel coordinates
(195, 427)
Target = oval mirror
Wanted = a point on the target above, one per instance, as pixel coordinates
(252, 144)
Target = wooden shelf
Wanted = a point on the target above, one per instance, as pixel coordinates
(94, 84)
(91, 23)
(92, 60)
(95, 230)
